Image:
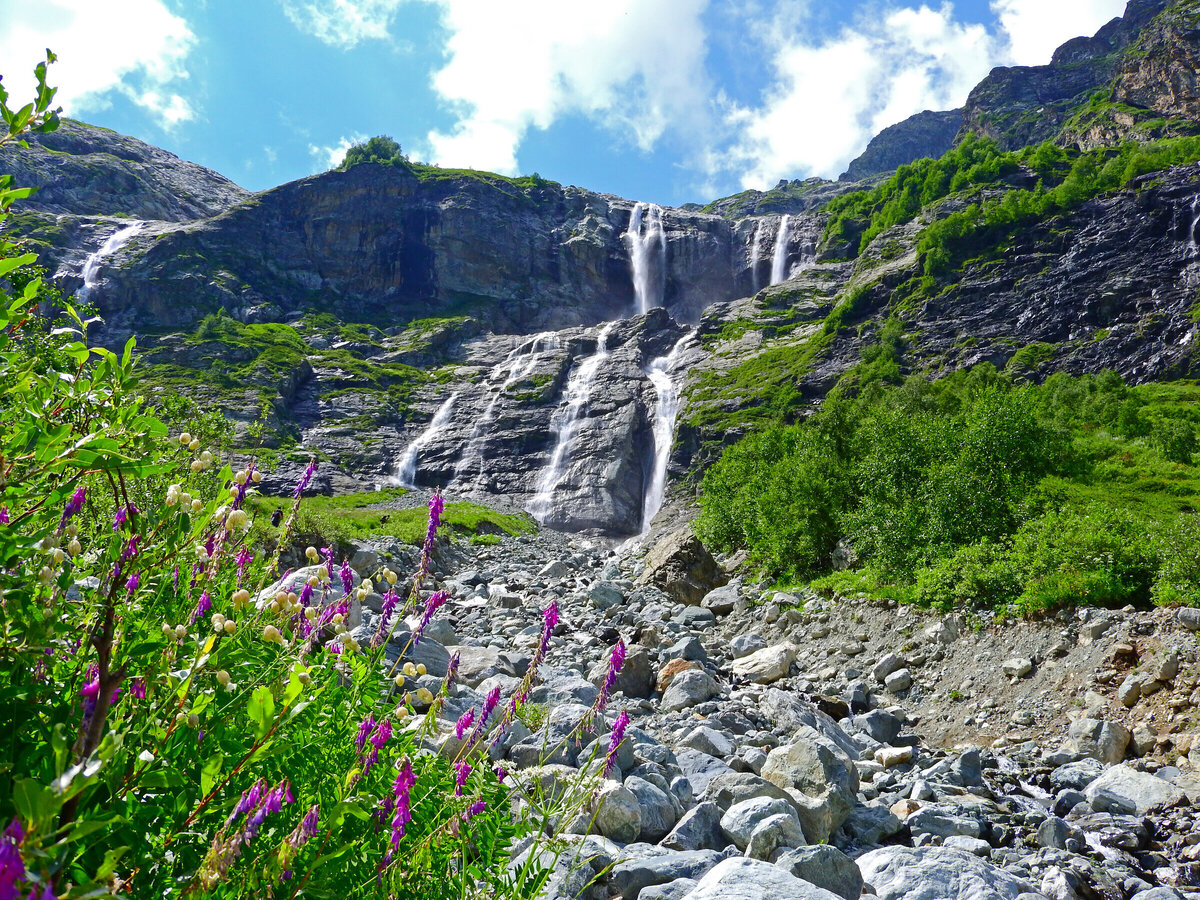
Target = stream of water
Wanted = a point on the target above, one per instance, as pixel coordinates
(647, 243)
(94, 263)
(406, 470)
(661, 373)
(779, 259)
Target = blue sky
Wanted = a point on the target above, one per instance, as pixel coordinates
(659, 100)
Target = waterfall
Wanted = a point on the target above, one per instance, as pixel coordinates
(519, 364)
(779, 260)
(567, 422)
(755, 256)
(647, 243)
(92, 265)
(666, 409)
(406, 471)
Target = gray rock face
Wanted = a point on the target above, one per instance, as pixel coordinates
(1127, 791)
(1099, 739)
(681, 566)
(925, 134)
(933, 873)
(826, 867)
(657, 810)
(698, 829)
(751, 879)
(774, 835)
(618, 813)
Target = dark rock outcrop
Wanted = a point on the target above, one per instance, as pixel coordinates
(927, 133)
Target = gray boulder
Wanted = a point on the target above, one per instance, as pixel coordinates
(689, 688)
(935, 873)
(741, 819)
(773, 835)
(657, 810)
(630, 877)
(698, 829)
(818, 771)
(1126, 791)
(826, 867)
(751, 879)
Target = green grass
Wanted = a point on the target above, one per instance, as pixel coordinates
(338, 520)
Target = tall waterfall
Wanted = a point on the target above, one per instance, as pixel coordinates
(406, 471)
(519, 364)
(755, 255)
(93, 264)
(779, 260)
(647, 243)
(666, 409)
(567, 421)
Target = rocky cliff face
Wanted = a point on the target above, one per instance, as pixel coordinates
(81, 170)
(927, 133)
(1021, 105)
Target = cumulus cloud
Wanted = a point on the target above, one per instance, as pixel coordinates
(330, 156)
(634, 67)
(1035, 28)
(343, 23)
(134, 48)
(829, 98)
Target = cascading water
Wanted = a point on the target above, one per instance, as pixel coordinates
(406, 471)
(647, 243)
(666, 409)
(519, 364)
(93, 264)
(567, 421)
(755, 255)
(779, 259)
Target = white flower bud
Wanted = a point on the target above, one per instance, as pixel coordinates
(271, 634)
(222, 678)
(256, 476)
(206, 456)
(180, 632)
(193, 721)
(194, 444)
(230, 626)
(185, 439)
(311, 553)
(75, 548)
(197, 465)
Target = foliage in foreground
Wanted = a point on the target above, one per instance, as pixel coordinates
(174, 727)
(975, 491)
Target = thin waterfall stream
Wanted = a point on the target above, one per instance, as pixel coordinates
(647, 243)
(94, 263)
(406, 470)
(755, 255)
(567, 421)
(661, 373)
(779, 259)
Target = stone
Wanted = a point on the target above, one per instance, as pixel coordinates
(687, 647)
(880, 725)
(603, 595)
(636, 678)
(675, 890)
(1167, 668)
(668, 672)
(722, 600)
(976, 846)
(818, 772)
(1017, 667)
(1130, 690)
(752, 879)
(477, 663)
(700, 769)
(826, 867)
(898, 681)
(890, 663)
(365, 561)
(688, 689)
(556, 568)
(890, 757)
(745, 644)
(774, 834)
(618, 813)
(926, 873)
(740, 820)
(765, 666)
(709, 740)
(872, 823)
(630, 877)
(681, 567)
(942, 823)
(1188, 617)
(1076, 775)
(731, 787)
(697, 829)
(1098, 738)
(1126, 791)
(657, 811)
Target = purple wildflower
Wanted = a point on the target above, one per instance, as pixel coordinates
(489, 705)
(462, 771)
(390, 600)
(403, 814)
(132, 584)
(382, 733)
(131, 549)
(121, 518)
(464, 723)
(452, 670)
(175, 580)
(550, 620)
(244, 558)
(305, 479)
(74, 505)
(501, 774)
(346, 574)
(615, 661)
(203, 605)
(12, 867)
(137, 687)
(327, 552)
(474, 809)
(3, 515)
(306, 595)
(306, 830)
(432, 605)
(364, 729)
(614, 741)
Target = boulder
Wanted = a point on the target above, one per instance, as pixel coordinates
(1126, 791)
(668, 672)
(636, 678)
(817, 771)
(630, 877)
(618, 814)
(766, 666)
(688, 689)
(773, 835)
(680, 566)
(700, 769)
(657, 810)
(932, 873)
(752, 879)
(698, 829)
(1099, 739)
(826, 867)
(741, 819)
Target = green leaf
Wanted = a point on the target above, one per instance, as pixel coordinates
(210, 774)
(261, 710)
(36, 805)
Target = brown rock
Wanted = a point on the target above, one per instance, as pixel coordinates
(668, 672)
(681, 566)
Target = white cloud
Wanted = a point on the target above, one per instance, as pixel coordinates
(136, 48)
(632, 66)
(1036, 28)
(331, 156)
(342, 23)
(828, 99)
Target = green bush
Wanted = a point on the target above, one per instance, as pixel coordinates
(1178, 579)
